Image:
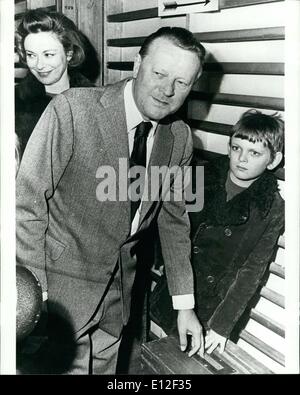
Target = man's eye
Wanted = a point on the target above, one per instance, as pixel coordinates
(49, 55)
(158, 73)
(234, 148)
(182, 84)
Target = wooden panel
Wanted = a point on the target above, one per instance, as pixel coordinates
(153, 12)
(270, 33)
(263, 347)
(273, 103)
(163, 356)
(222, 68)
(266, 321)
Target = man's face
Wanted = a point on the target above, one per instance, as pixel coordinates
(163, 79)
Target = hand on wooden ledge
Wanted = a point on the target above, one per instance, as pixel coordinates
(214, 340)
(188, 324)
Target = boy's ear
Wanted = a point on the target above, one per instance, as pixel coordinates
(275, 162)
(137, 63)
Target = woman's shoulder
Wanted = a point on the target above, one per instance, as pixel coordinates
(78, 80)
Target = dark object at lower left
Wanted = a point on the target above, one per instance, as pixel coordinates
(29, 302)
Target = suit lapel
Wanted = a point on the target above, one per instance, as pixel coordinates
(114, 134)
(160, 156)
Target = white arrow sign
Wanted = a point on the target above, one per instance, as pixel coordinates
(179, 7)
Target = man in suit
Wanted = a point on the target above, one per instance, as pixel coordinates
(83, 248)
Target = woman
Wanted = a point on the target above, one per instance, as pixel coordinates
(53, 49)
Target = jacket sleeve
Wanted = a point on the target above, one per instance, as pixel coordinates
(249, 276)
(174, 231)
(44, 161)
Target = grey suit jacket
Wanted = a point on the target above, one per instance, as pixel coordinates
(70, 239)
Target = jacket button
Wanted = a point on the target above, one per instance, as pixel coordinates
(228, 232)
(196, 250)
(210, 279)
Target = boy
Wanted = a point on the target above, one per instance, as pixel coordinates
(234, 236)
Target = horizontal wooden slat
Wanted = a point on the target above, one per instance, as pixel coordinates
(260, 34)
(210, 155)
(273, 296)
(211, 127)
(263, 68)
(273, 103)
(153, 12)
(267, 322)
(222, 68)
(134, 15)
(277, 270)
(262, 347)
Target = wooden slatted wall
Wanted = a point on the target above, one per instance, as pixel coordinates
(245, 69)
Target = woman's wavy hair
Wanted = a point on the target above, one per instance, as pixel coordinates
(43, 20)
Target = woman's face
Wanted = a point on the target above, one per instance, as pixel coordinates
(46, 57)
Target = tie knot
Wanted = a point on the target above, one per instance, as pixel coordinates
(143, 129)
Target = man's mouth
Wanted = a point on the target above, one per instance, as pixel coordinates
(159, 102)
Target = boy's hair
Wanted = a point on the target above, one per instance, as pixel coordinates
(256, 126)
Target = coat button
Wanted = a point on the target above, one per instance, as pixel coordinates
(196, 250)
(210, 279)
(228, 232)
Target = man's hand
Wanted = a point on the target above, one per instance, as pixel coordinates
(188, 324)
(214, 340)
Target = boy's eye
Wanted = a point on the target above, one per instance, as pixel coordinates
(234, 147)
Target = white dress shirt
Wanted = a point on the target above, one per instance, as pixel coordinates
(133, 119)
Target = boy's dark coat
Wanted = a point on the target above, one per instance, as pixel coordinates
(232, 245)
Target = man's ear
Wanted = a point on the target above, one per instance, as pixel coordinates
(137, 63)
(69, 55)
(275, 162)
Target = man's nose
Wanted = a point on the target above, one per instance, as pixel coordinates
(168, 88)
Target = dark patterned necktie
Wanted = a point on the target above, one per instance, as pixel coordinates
(138, 156)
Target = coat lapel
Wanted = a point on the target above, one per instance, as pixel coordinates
(114, 134)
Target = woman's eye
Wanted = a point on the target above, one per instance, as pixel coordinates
(234, 148)
(29, 55)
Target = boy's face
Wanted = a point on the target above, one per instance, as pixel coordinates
(247, 160)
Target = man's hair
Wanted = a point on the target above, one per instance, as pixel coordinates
(180, 37)
(256, 126)
(43, 20)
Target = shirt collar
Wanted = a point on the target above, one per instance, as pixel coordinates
(133, 116)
